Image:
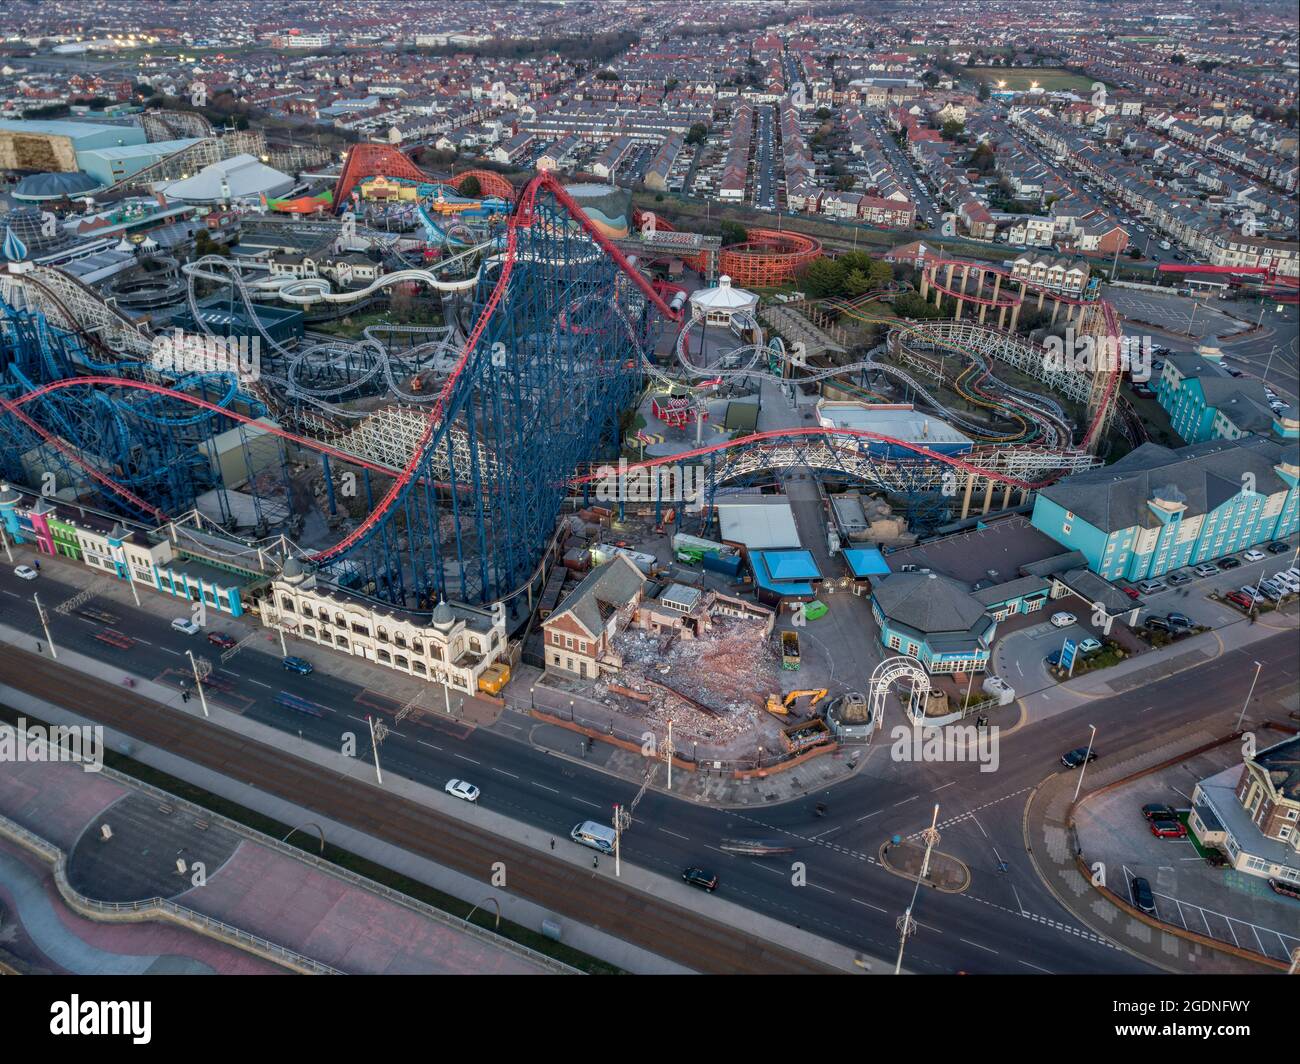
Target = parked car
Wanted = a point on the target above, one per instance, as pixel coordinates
(1178, 579)
(1206, 569)
(1159, 624)
(1271, 591)
(462, 789)
(301, 666)
(1131, 592)
(698, 877)
(220, 639)
(184, 624)
(1168, 829)
(1156, 811)
(1229, 563)
(1078, 756)
(1150, 587)
(1142, 896)
(1063, 619)
(1090, 646)
(1053, 659)
(1287, 890)
(1179, 620)
(1251, 593)
(1254, 556)
(1277, 548)
(25, 572)
(1238, 599)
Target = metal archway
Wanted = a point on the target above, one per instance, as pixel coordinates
(884, 676)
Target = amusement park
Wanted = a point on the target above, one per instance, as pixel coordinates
(579, 408)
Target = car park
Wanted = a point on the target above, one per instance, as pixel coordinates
(184, 624)
(1140, 890)
(1206, 569)
(463, 790)
(1078, 756)
(301, 666)
(1159, 812)
(1168, 829)
(25, 572)
(698, 877)
(1063, 619)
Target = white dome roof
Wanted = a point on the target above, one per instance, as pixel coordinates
(724, 296)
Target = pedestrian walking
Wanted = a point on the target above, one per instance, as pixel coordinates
(552, 844)
(38, 564)
(39, 648)
(595, 861)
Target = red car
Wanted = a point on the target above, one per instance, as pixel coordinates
(1131, 592)
(1238, 599)
(1168, 829)
(222, 640)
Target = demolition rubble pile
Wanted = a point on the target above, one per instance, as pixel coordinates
(711, 687)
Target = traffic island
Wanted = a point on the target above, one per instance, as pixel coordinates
(946, 873)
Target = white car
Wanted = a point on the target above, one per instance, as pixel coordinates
(462, 789)
(26, 572)
(1254, 555)
(184, 624)
(1063, 620)
(1090, 646)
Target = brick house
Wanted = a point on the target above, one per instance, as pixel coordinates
(578, 636)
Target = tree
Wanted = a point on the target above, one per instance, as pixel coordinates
(470, 187)
(983, 92)
(671, 84)
(733, 233)
(697, 134)
(822, 113)
(822, 278)
(913, 305)
(845, 182)
(952, 127)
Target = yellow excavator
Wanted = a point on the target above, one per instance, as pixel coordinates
(780, 708)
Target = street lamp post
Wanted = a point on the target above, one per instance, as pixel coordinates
(40, 612)
(374, 746)
(198, 682)
(5, 540)
(1242, 715)
(906, 925)
(1092, 729)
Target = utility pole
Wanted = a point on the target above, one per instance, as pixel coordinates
(40, 612)
(1242, 715)
(668, 753)
(198, 679)
(377, 734)
(1092, 728)
(622, 821)
(906, 925)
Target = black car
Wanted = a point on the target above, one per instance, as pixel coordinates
(1229, 563)
(1179, 620)
(1159, 812)
(698, 877)
(1053, 659)
(1277, 548)
(1159, 624)
(1078, 756)
(1142, 896)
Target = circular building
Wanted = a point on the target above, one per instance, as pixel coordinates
(25, 235)
(39, 188)
(717, 306)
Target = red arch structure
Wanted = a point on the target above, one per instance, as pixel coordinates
(373, 160)
(489, 183)
(770, 257)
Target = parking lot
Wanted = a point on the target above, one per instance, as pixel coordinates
(1189, 892)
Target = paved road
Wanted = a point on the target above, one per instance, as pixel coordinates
(1003, 924)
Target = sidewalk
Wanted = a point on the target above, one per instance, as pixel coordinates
(1052, 846)
(586, 939)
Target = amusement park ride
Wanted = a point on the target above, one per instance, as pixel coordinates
(548, 340)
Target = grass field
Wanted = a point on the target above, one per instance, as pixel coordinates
(1051, 79)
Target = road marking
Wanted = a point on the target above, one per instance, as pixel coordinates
(464, 758)
(867, 817)
(259, 683)
(533, 782)
(505, 773)
(11, 594)
(906, 800)
(869, 905)
(429, 745)
(674, 835)
(173, 653)
(1034, 966)
(826, 889)
(978, 946)
(144, 641)
(950, 783)
(583, 801)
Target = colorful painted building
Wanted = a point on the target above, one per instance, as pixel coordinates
(1206, 402)
(1157, 509)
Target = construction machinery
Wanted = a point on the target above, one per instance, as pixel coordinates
(781, 708)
